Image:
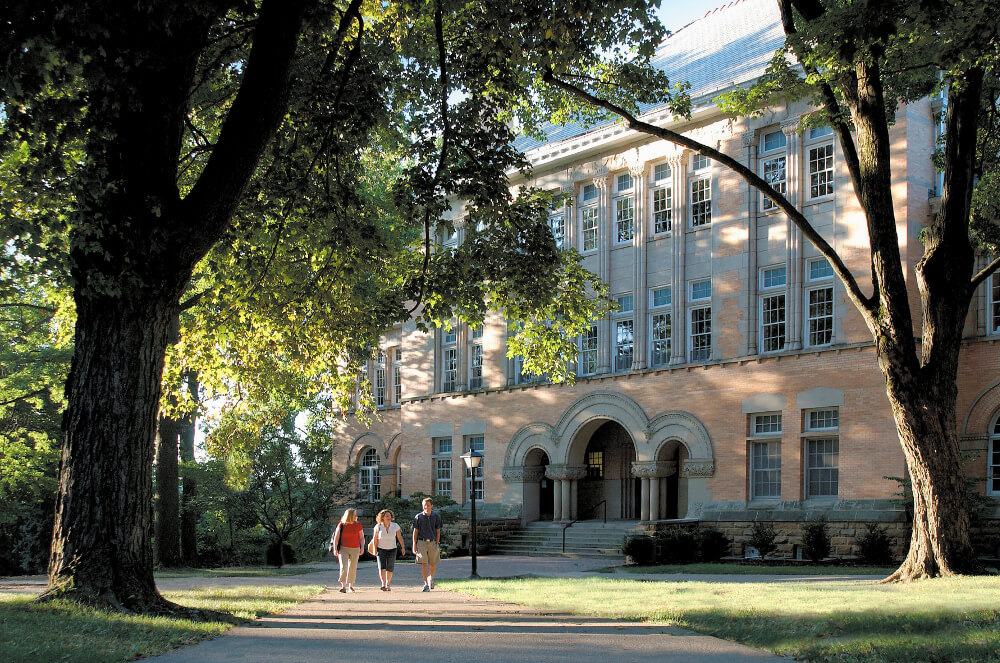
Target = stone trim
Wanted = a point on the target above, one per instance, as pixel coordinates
(529, 474)
(654, 469)
(565, 472)
(697, 468)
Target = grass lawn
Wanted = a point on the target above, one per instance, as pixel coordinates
(237, 572)
(943, 620)
(759, 569)
(61, 631)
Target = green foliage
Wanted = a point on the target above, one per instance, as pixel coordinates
(713, 545)
(762, 538)
(874, 546)
(676, 545)
(641, 549)
(816, 539)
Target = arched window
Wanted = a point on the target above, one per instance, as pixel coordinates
(993, 458)
(368, 478)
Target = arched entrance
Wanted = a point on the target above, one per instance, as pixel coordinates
(608, 457)
(534, 465)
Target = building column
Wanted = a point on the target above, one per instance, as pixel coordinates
(556, 500)
(640, 295)
(652, 473)
(753, 212)
(793, 186)
(462, 356)
(678, 245)
(605, 220)
(565, 489)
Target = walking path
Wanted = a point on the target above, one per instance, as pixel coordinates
(407, 624)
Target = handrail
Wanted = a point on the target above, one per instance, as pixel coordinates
(570, 524)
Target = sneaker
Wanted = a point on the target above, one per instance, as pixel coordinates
(388, 588)
(426, 588)
(431, 585)
(350, 590)
(383, 588)
(343, 590)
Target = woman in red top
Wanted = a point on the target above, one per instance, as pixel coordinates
(347, 544)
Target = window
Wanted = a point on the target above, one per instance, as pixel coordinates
(588, 222)
(623, 345)
(701, 290)
(380, 386)
(820, 269)
(397, 384)
(477, 332)
(449, 369)
(819, 316)
(442, 466)
(661, 171)
(772, 309)
(819, 132)
(701, 333)
(821, 171)
(662, 209)
(475, 487)
(589, 192)
(368, 478)
(595, 464)
(822, 452)
(765, 455)
(701, 202)
(625, 218)
(773, 165)
(588, 351)
(624, 182)
(994, 313)
(659, 327)
(450, 336)
(993, 461)
(624, 303)
(557, 223)
(476, 367)
(700, 162)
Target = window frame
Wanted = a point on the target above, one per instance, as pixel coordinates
(993, 457)
(619, 204)
(369, 474)
(768, 156)
(439, 458)
(480, 478)
(623, 360)
(823, 143)
(590, 213)
(813, 434)
(475, 366)
(772, 292)
(703, 217)
(663, 351)
(589, 345)
(993, 304)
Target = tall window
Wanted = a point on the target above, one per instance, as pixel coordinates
(369, 486)
(476, 366)
(765, 456)
(397, 377)
(588, 351)
(380, 386)
(821, 170)
(588, 226)
(700, 321)
(449, 360)
(659, 326)
(595, 464)
(993, 460)
(701, 202)
(662, 198)
(625, 218)
(773, 161)
(821, 446)
(772, 308)
(623, 345)
(994, 305)
(442, 466)
(557, 222)
(819, 303)
(475, 487)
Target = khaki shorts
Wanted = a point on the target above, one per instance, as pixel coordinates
(429, 551)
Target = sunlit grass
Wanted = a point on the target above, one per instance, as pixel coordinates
(954, 619)
(759, 569)
(63, 631)
(237, 572)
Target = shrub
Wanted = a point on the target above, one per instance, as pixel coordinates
(874, 546)
(816, 539)
(641, 548)
(713, 545)
(279, 554)
(676, 546)
(762, 536)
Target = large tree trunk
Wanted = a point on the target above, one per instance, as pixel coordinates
(101, 551)
(189, 496)
(167, 485)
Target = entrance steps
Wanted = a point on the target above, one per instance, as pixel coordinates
(587, 538)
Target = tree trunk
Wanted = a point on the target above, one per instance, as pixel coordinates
(189, 497)
(101, 547)
(167, 509)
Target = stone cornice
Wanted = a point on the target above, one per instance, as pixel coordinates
(565, 472)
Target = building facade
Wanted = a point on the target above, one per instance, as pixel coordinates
(737, 382)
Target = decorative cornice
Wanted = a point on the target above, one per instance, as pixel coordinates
(602, 182)
(565, 472)
(529, 474)
(654, 469)
(697, 468)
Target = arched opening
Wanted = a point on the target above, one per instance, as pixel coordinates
(608, 458)
(673, 489)
(539, 492)
(369, 484)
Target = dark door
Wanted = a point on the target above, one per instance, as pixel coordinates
(546, 499)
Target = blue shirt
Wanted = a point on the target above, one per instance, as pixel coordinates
(426, 526)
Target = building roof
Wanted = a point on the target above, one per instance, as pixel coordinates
(728, 46)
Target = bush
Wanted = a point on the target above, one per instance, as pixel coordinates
(641, 548)
(874, 546)
(676, 546)
(713, 545)
(762, 536)
(816, 539)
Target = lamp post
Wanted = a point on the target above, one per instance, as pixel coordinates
(472, 460)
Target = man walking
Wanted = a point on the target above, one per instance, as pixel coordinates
(426, 541)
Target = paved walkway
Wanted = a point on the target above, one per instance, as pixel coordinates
(409, 625)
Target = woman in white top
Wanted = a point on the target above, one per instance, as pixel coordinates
(386, 534)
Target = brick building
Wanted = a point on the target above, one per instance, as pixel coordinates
(737, 382)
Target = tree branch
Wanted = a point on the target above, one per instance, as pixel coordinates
(985, 273)
(854, 291)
